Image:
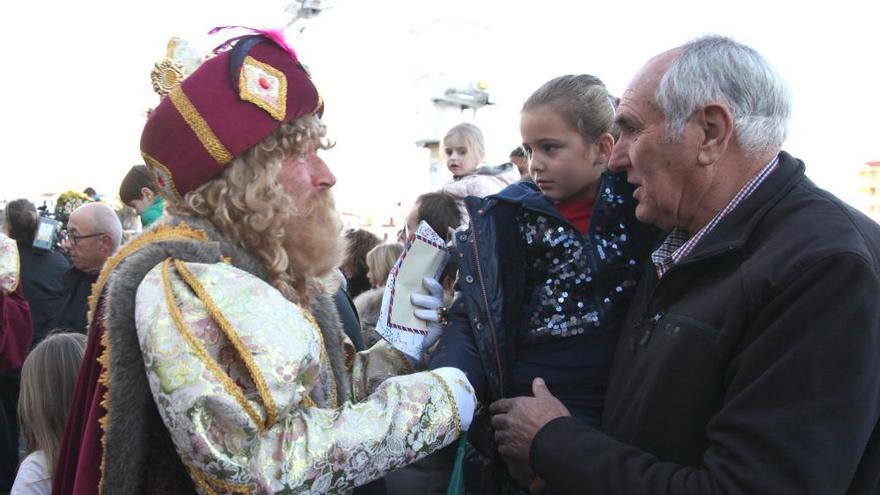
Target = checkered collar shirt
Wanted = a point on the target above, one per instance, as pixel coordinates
(678, 244)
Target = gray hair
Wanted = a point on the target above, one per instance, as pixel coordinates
(717, 69)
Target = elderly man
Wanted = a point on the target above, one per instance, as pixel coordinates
(93, 234)
(748, 361)
(216, 361)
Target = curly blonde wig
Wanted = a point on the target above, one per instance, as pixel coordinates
(246, 203)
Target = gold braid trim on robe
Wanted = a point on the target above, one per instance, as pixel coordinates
(308, 449)
(180, 232)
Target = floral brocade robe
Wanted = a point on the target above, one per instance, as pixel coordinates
(9, 265)
(16, 326)
(236, 372)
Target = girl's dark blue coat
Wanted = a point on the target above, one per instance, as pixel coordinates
(489, 312)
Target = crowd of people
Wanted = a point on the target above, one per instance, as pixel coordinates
(650, 297)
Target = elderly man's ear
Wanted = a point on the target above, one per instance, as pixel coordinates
(107, 246)
(716, 123)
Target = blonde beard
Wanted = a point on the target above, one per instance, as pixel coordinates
(314, 243)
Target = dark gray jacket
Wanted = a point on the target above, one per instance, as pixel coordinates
(750, 368)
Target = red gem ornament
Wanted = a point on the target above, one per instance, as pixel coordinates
(161, 182)
(264, 83)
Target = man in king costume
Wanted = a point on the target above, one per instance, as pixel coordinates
(216, 362)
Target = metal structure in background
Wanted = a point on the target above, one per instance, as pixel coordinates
(304, 9)
(472, 97)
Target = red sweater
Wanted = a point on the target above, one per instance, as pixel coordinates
(578, 212)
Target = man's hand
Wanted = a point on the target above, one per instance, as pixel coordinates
(517, 421)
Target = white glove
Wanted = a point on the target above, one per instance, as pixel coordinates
(432, 310)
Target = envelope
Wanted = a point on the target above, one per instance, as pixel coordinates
(424, 255)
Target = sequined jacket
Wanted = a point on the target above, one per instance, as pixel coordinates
(492, 316)
(254, 394)
(485, 318)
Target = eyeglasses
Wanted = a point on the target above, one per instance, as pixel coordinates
(73, 239)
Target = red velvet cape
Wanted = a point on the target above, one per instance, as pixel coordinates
(79, 463)
(15, 329)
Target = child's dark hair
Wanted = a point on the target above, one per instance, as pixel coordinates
(440, 211)
(582, 101)
(136, 179)
(358, 243)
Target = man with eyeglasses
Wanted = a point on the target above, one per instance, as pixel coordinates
(93, 234)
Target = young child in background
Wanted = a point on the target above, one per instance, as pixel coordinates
(546, 272)
(465, 152)
(48, 378)
(138, 192)
(518, 157)
(359, 242)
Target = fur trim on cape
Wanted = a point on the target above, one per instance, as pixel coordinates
(368, 305)
(139, 453)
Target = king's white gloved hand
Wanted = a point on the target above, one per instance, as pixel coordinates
(431, 310)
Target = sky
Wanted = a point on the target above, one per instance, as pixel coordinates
(77, 87)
